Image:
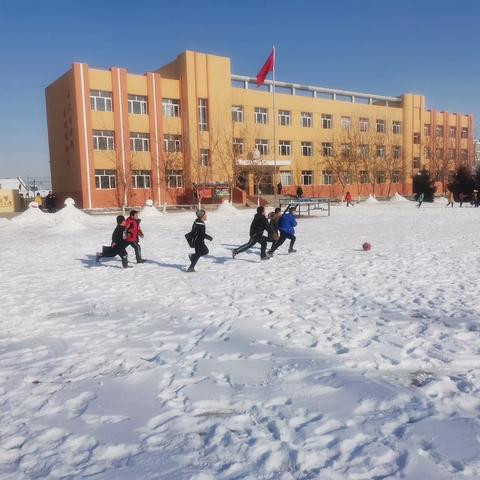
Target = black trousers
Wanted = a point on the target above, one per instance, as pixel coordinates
(137, 248)
(253, 240)
(281, 240)
(200, 250)
(114, 251)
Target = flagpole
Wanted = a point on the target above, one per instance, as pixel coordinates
(274, 130)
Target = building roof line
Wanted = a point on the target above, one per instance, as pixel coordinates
(311, 88)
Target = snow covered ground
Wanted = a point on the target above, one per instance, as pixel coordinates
(331, 363)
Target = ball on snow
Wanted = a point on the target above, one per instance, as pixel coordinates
(366, 247)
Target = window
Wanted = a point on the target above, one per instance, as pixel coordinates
(363, 177)
(363, 124)
(327, 121)
(416, 162)
(100, 101)
(285, 147)
(103, 140)
(380, 177)
(439, 130)
(397, 152)
(171, 107)
(105, 179)
(452, 132)
(327, 149)
(202, 114)
(238, 146)
(286, 178)
(396, 127)
(346, 149)
(426, 152)
(137, 104)
(306, 120)
(327, 177)
(139, 142)
(175, 178)
(464, 132)
(380, 151)
(237, 114)
(395, 176)
(172, 143)
(364, 151)
(141, 178)
(262, 146)
(307, 177)
(416, 138)
(204, 157)
(439, 153)
(307, 149)
(261, 115)
(284, 117)
(346, 123)
(427, 130)
(452, 153)
(463, 155)
(380, 126)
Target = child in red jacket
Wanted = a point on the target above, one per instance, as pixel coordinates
(133, 231)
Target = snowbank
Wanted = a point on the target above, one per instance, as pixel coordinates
(149, 211)
(397, 198)
(226, 209)
(33, 216)
(371, 199)
(71, 218)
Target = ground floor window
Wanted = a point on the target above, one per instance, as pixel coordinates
(327, 177)
(141, 179)
(286, 178)
(105, 179)
(175, 178)
(380, 177)
(307, 177)
(364, 176)
(396, 177)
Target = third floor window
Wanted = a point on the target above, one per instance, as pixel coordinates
(284, 117)
(172, 143)
(285, 147)
(262, 146)
(396, 127)
(380, 126)
(237, 113)
(363, 124)
(103, 140)
(100, 101)
(137, 104)
(139, 142)
(464, 132)
(202, 114)
(261, 115)
(327, 121)
(306, 120)
(171, 107)
(307, 149)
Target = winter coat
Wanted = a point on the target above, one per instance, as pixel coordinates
(50, 200)
(287, 223)
(133, 230)
(199, 232)
(259, 225)
(118, 237)
(348, 197)
(274, 224)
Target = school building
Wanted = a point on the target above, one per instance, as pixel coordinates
(192, 128)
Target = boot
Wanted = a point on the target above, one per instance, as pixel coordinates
(140, 260)
(234, 253)
(190, 269)
(266, 257)
(125, 262)
(98, 256)
(291, 250)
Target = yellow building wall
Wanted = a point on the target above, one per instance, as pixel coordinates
(9, 201)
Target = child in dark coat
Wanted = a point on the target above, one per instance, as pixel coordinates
(118, 244)
(199, 235)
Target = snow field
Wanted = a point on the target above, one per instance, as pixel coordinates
(329, 363)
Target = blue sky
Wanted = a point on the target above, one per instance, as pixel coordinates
(384, 47)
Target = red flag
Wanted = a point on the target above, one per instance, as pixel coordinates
(266, 69)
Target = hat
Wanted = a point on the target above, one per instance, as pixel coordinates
(133, 212)
(120, 219)
(200, 213)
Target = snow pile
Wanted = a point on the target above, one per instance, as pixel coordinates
(33, 216)
(149, 211)
(371, 199)
(71, 214)
(397, 198)
(226, 209)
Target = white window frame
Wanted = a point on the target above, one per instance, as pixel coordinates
(175, 178)
(203, 114)
(327, 120)
(327, 149)
(306, 120)
(204, 157)
(307, 177)
(172, 143)
(139, 142)
(395, 176)
(105, 177)
(101, 101)
(396, 127)
(261, 115)
(346, 123)
(138, 104)
(380, 151)
(286, 178)
(238, 146)
(307, 149)
(381, 177)
(141, 179)
(171, 107)
(452, 130)
(397, 152)
(262, 145)
(346, 149)
(103, 138)
(284, 118)
(327, 177)
(381, 124)
(364, 177)
(363, 124)
(238, 115)
(284, 148)
(464, 133)
(364, 150)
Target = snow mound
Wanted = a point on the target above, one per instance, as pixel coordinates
(149, 211)
(371, 199)
(33, 216)
(69, 201)
(397, 198)
(226, 209)
(70, 218)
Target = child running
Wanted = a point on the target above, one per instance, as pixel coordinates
(118, 244)
(198, 235)
(133, 231)
(286, 225)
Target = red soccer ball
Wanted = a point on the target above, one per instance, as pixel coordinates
(366, 247)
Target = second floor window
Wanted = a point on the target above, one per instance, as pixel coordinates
(306, 120)
(307, 177)
(307, 149)
(204, 157)
(380, 151)
(237, 114)
(103, 140)
(452, 132)
(464, 132)
(137, 104)
(171, 107)
(396, 127)
(363, 124)
(105, 179)
(284, 117)
(286, 178)
(380, 126)
(327, 149)
(346, 123)
(202, 114)
(327, 177)
(139, 142)
(172, 143)
(396, 152)
(395, 176)
(141, 178)
(261, 115)
(364, 178)
(285, 147)
(100, 101)
(327, 121)
(262, 146)
(238, 146)
(364, 151)
(381, 177)
(175, 178)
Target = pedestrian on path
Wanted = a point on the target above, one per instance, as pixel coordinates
(198, 235)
